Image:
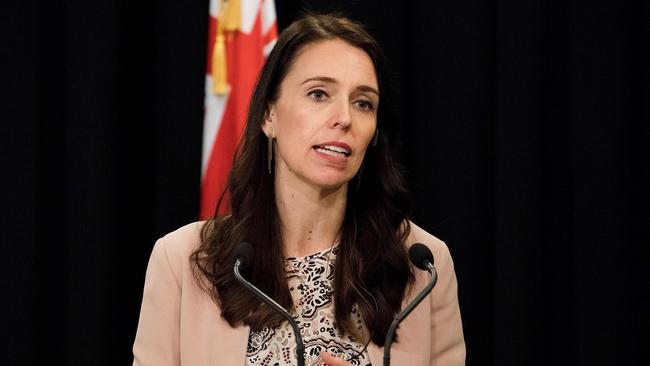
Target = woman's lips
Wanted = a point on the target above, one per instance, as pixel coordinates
(332, 154)
(335, 146)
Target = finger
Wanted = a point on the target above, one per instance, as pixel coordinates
(333, 361)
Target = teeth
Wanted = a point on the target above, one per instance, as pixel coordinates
(329, 152)
(336, 148)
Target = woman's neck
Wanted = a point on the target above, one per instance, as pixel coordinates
(310, 217)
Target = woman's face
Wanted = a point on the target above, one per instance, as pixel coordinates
(325, 115)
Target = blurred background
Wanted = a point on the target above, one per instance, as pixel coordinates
(524, 130)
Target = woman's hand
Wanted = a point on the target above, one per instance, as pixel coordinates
(330, 360)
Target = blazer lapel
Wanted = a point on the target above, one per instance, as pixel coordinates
(413, 346)
(230, 347)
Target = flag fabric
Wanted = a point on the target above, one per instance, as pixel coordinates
(241, 34)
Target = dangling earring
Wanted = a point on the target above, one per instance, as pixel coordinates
(270, 152)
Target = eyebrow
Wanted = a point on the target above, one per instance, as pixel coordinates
(327, 79)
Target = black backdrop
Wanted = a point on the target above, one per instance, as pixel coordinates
(524, 139)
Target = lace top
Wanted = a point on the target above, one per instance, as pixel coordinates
(310, 283)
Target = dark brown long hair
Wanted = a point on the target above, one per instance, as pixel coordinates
(372, 257)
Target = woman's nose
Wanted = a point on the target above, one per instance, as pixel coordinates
(342, 117)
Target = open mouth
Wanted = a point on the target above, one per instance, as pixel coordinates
(332, 150)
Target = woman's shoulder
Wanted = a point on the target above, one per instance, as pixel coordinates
(438, 247)
(184, 239)
(178, 245)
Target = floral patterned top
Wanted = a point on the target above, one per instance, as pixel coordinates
(310, 283)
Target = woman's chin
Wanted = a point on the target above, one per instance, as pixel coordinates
(331, 183)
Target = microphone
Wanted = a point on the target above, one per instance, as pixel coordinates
(421, 257)
(243, 258)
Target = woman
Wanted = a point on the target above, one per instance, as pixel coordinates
(313, 188)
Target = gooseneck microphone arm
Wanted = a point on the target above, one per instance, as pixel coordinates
(423, 263)
(300, 347)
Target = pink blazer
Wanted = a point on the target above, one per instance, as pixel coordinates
(181, 325)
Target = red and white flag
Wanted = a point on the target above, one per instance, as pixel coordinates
(242, 33)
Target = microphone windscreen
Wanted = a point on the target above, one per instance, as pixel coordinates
(244, 252)
(419, 254)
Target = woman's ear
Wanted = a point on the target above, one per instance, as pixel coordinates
(269, 119)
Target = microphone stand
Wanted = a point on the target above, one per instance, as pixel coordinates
(300, 347)
(393, 326)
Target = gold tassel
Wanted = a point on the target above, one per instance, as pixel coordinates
(231, 15)
(229, 20)
(219, 70)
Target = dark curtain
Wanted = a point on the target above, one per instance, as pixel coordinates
(525, 126)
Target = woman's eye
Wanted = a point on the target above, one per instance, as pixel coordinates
(317, 94)
(365, 105)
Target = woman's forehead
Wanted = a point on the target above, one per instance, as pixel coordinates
(334, 60)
